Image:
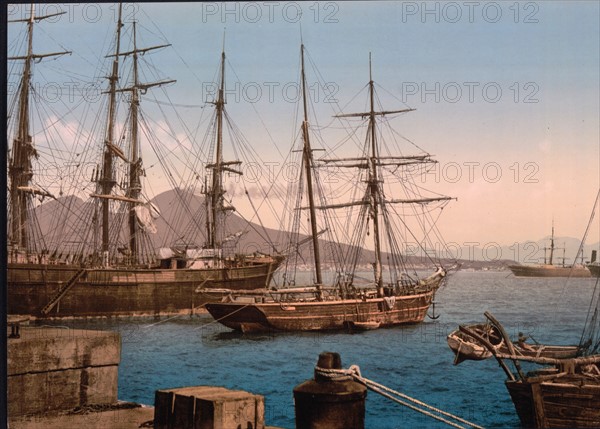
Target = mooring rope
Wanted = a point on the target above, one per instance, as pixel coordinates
(353, 373)
(173, 317)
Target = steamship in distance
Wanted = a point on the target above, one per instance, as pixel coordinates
(548, 269)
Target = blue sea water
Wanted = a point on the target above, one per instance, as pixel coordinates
(415, 360)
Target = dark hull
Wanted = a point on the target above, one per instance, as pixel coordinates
(321, 315)
(548, 271)
(566, 402)
(115, 292)
(594, 269)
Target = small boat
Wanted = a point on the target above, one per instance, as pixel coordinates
(467, 348)
(364, 326)
(558, 398)
(542, 350)
(564, 394)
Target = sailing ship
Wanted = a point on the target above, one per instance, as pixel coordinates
(398, 297)
(115, 271)
(565, 393)
(548, 269)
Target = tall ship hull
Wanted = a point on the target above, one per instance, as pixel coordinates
(101, 257)
(352, 314)
(549, 271)
(65, 291)
(561, 402)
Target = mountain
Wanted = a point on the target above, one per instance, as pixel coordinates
(186, 221)
(182, 216)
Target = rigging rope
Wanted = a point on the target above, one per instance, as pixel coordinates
(353, 372)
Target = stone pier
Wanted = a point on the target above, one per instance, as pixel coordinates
(67, 378)
(52, 370)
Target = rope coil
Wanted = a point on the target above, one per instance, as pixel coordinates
(339, 374)
(353, 373)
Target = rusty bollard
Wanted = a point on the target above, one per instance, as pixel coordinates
(328, 403)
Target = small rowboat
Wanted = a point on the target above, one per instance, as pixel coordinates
(365, 326)
(466, 348)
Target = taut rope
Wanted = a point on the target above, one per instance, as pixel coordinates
(353, 373)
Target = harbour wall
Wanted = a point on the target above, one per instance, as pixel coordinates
(53, 369)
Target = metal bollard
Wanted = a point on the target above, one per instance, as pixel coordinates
(323, 403)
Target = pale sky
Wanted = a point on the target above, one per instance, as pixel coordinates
(507, 93)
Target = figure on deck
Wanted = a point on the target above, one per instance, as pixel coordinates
(521, 342)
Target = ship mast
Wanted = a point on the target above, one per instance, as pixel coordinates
(308, 164)
(217, 177)
(373, 183)
(373, 161)
(216, 190)
(134, 187)
(551, 244)
(108, 182)
(20, 165)
(135, 160)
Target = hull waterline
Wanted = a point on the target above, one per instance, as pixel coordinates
(321, 315)
(123, 291)
(549, 271)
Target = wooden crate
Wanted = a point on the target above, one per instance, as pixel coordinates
(208, 407)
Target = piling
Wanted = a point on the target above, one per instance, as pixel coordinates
(330, 402)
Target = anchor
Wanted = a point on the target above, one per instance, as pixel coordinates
(433, 316)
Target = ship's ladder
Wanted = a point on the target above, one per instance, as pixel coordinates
(62, 291)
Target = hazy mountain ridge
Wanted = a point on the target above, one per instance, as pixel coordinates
(179, 222)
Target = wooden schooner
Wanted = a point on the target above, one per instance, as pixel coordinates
(395, 297)
(113, 268)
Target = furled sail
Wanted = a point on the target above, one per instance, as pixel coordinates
(145, 215)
